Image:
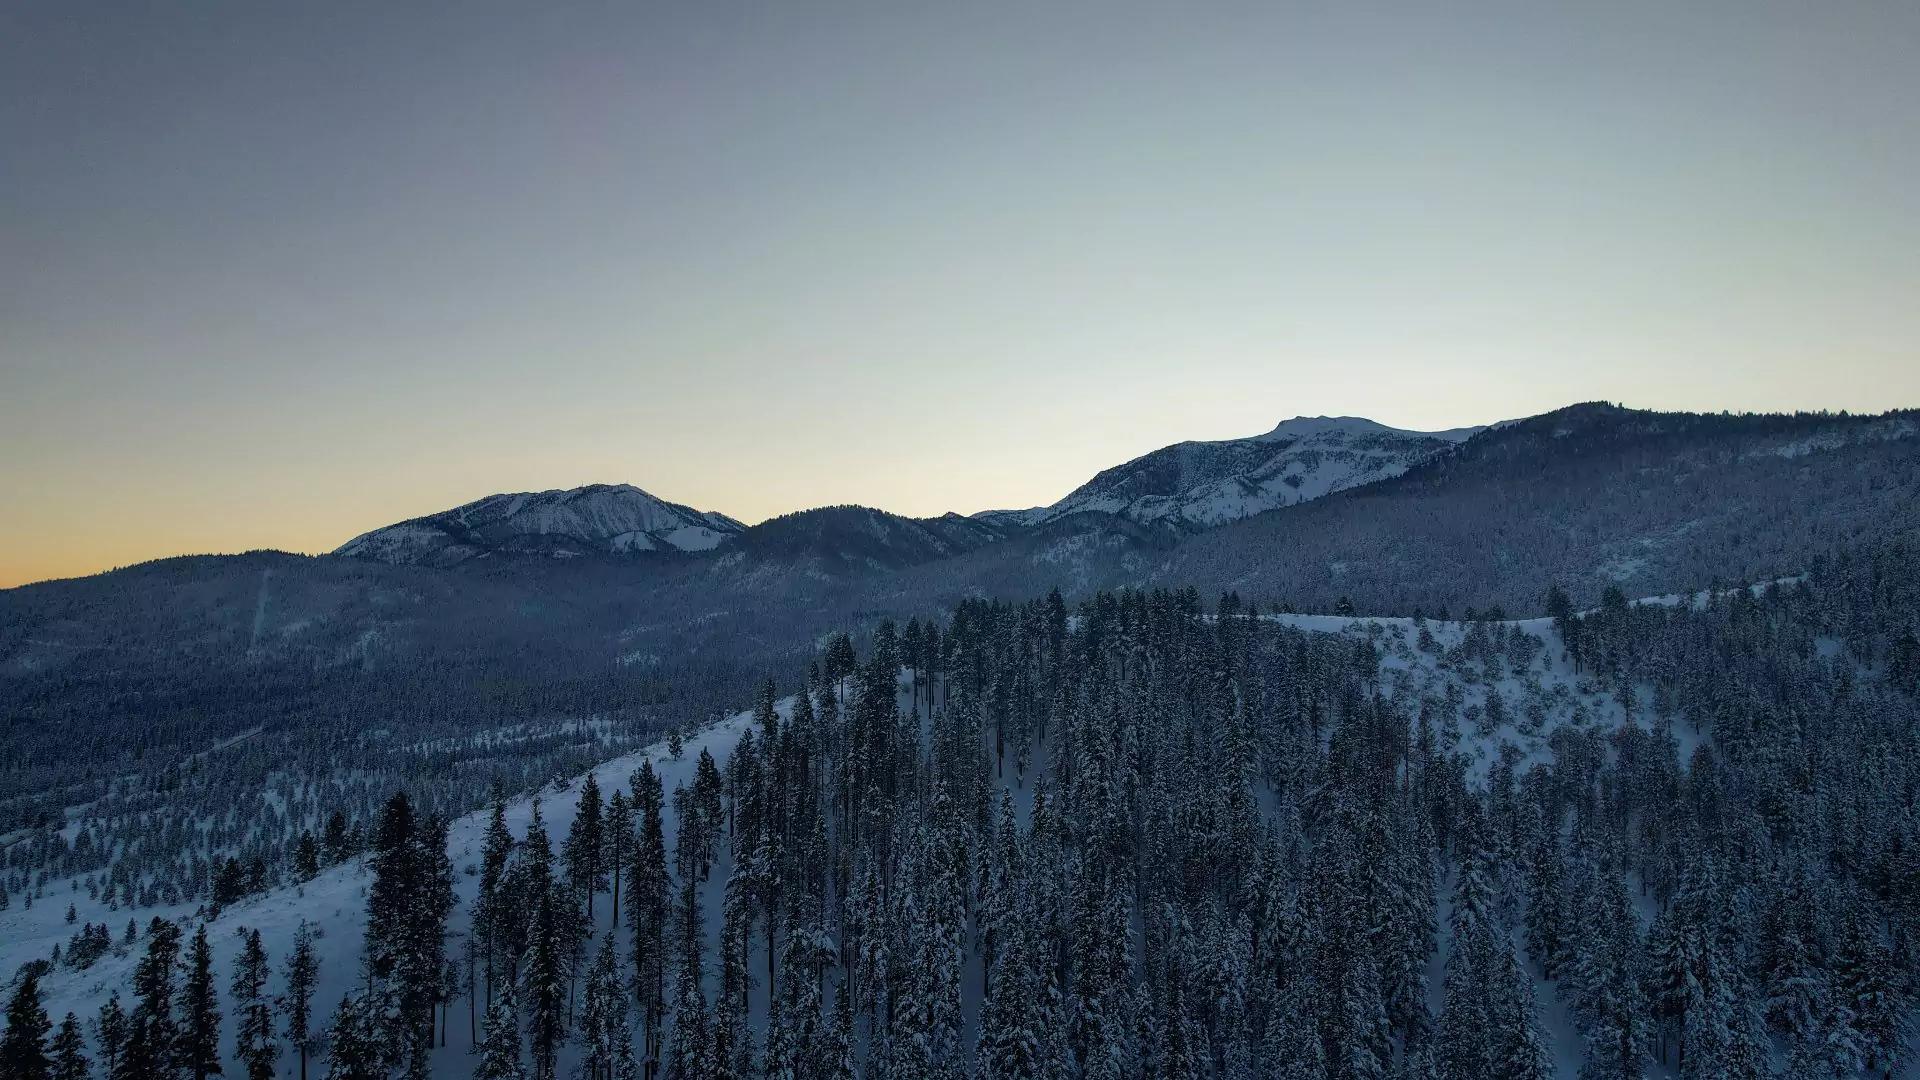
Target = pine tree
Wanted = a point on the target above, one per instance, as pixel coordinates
(110, 1033)
(1291, 1049)
(23, 1047)
(1010, 1044)
(834, 1057)
(149, 1051)
(689, 1055)
(618, 829)
(729, 1030)
(648, 902)
(198, 1048)
(1791, 972)
(603, 1019)
(1523, 1054)
(585, 844)
(1465, 1045)
(253, 1041)
(337, 843)
(356, 1050)
(407, 908)
(491, 906)
(423, 971)
(1866, 983)
(1546, 903)
(306, 858)
(303, 971)
(500, 1050)
(547, 977)
(1830, 1048)
(1603, 983)
(69, 1052)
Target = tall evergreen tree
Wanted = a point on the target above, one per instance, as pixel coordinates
(69, 1051)
(302, 973)
(110, 1035)
(152, 1030)
(492, 907)
(253, 1043)
(547, 978)
(500, 1057)
(604, 1041)
(356, 1047)
(584, 849)
(197, 1050)
(618, 830)
(23, 1047)
(648, 907)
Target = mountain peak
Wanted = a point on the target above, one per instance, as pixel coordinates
(1198, 485)
(559, 522)
(1301, 427)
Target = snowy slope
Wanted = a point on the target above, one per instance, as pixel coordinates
(335, 904)
(1539, 689)
(600, 518)
(1198, 485)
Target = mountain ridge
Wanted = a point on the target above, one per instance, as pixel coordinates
(1196, 485)
(559, 522)
(1185, 487)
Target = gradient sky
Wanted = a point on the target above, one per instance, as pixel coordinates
(274, 274)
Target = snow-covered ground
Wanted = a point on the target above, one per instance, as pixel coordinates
(1543, 695)
(334, 903)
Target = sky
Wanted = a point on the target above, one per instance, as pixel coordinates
(272, 275)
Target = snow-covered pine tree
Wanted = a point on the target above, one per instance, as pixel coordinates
(110, 1035)
(356, 1046)
(492, 906)
(23, 1046)
(603, 1017)
(302, 974)
(648, 908)
(197, 1048)
(500, 1057)
(68, 1052)
(1467, 1040)
(1011, 1044)
(253, 1043)
(584, 849)
(617, 829)
(689, 1053)
(152, 1029)
(546, 981)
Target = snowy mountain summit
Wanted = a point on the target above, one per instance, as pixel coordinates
(1198, 485)
(599, 518)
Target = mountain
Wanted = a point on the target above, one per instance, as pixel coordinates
(1585, 497)
(850, 539)
(611, 519)
(1191, 486)
(1179, 489)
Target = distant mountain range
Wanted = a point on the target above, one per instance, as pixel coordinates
(1186, 487)
(588, 600)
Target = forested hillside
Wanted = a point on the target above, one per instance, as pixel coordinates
(1147, 835)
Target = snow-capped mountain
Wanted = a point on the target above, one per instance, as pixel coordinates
(1198, 485)
(600, 518)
